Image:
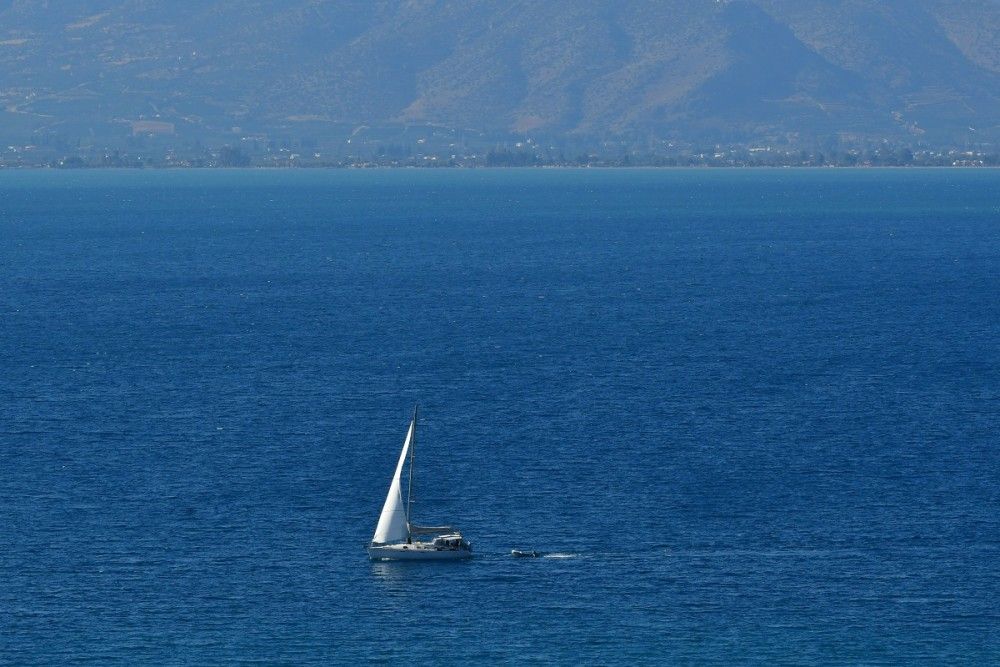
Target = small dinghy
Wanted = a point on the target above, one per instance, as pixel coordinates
(519, 553)
(393, 539)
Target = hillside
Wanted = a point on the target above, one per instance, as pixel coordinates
(737, 70)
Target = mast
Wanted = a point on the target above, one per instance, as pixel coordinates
(409, 483)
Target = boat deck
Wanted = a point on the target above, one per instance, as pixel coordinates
(416, 551)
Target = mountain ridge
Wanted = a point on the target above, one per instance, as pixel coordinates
(709, 70)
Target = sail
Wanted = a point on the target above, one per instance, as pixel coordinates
(392, 523)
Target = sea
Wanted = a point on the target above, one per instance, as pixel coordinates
(744, 416)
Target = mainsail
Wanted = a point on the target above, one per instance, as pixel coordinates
(392, 525)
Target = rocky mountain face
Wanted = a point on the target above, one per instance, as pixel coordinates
(722, 70)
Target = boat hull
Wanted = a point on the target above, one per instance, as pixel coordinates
(416, 552)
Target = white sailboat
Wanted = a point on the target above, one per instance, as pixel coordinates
(394, 535)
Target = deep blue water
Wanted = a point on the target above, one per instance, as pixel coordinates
(757, 412)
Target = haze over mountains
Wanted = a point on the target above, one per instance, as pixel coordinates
(705, 70)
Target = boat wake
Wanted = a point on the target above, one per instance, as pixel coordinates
(523, 553)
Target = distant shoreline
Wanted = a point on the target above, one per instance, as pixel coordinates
(502, 157)
(568, 167)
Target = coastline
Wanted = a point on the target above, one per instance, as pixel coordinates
(542, 167)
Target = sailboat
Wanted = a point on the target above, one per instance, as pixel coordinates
(394, 535)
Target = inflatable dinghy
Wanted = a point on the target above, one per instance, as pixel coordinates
(518, 553)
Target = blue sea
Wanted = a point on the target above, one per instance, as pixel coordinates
(748, 417)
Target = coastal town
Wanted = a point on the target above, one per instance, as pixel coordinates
(154, 148)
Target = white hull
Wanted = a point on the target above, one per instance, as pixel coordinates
(416, 551)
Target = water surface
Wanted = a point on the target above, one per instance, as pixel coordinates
(752, 415)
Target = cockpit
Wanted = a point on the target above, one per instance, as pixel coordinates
(454, 541)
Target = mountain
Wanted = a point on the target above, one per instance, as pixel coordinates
(700, 70)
